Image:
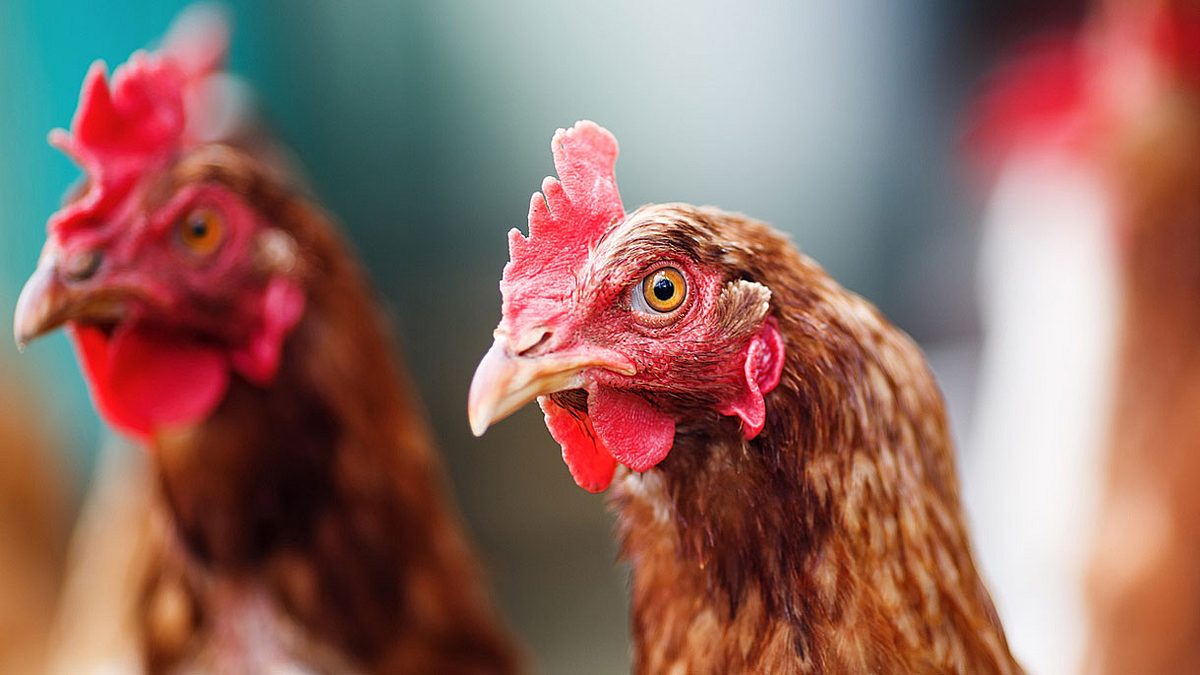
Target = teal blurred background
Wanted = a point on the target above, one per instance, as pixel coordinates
(425, 126)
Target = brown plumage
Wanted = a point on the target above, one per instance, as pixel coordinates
(834, 541)
(1116, 110)
(307, 521)
(303, 524)
(786, 496)
(296, 517)
(1144, 582)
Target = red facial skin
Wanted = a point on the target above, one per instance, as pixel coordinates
(569, 294)
(630, 418)
(191, 319)
(179, 320)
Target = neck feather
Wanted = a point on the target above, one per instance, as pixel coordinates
(840, 524)
(325, 486)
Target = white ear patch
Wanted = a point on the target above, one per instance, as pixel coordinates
(742, 306)
(276, 251)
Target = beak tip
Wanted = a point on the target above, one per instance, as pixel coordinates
(480, 420)
(40, 304)
(22, 335)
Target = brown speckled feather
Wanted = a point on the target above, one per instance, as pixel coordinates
(834, 541)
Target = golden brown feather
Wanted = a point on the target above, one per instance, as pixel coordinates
(834, 541)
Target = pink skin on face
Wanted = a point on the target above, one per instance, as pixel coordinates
(169, 362)
(567, 302)
(622, 423)
(191, 318)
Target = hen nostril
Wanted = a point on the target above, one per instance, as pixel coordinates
(81, 266)
(537, 342)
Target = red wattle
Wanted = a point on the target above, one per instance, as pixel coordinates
(636, 433)
(143, 380)
(589, 462)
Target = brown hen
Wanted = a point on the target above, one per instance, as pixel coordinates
(788, 499)
(298, 519)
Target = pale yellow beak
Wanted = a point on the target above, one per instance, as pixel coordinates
(46, 303)
(504, 382)
(42, 305)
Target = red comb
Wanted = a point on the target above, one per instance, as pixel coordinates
(139, 119)
(566, 218)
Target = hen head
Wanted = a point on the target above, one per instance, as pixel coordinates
(169, 279)
(626, 329)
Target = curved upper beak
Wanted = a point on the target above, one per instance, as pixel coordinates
(42, 304)
(46, 303)
(504, 382)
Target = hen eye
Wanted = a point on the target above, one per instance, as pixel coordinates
(662, 291)
(201, 231)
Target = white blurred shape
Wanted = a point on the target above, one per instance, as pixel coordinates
(199, 37)
(1032, 476)
(108, 561)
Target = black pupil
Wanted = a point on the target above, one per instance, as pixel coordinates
(664, 289)
(199, 228)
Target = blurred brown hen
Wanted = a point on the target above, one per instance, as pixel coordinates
(787, 495)
(298, 520)
(1115, 110)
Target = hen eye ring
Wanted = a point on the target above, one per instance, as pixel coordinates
(201, 231)
(661, 292)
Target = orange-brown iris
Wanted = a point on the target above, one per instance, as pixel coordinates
(664, 290)
(201, 231)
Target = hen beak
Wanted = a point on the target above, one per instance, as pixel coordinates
(46, 303)
(504, 382)
(42, 304)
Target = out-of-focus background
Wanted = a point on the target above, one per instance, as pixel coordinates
(425, 125)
